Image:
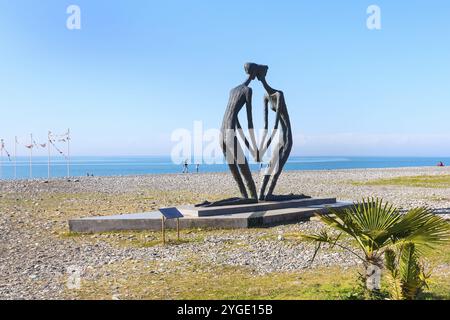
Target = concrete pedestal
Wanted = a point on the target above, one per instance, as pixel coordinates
(262, 214)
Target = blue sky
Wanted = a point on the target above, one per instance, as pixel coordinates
(137, 70)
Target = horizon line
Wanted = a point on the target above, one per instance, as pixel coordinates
(294, 155)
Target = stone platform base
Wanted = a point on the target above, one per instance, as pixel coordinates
(192, 211)
(228, 217)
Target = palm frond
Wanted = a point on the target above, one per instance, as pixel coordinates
(367, 221)
(342, 221)
(321, 236)
(375, 216)
(324, 237)
(393, 278)
(421, 227)
(410, 272)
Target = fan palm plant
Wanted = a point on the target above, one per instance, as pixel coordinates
(376, 226)
(406, 272)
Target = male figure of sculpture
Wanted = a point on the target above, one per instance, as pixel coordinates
(232, 150)
(234, 155)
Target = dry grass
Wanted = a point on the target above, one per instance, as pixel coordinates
(423, 181)
(193, 280)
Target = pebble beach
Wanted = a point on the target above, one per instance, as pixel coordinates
(37, 249)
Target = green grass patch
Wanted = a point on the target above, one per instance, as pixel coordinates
(439, 256)
(195, 280)
(439, 289)
(424, 181)
(198, 281)
(144, 239)
(137, 239)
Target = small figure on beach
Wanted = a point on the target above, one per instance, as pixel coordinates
(440, 164)
(197, 167)
(186, 166)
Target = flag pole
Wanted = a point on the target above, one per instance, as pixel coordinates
(1, 158)
(15, 157)
(48, 147)
(31, 156)
(68, 153)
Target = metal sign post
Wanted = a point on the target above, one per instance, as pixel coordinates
(166, 214)
(163, 230)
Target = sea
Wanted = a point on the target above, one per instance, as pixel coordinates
(139, 165)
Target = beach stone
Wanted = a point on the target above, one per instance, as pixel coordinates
(258, 250)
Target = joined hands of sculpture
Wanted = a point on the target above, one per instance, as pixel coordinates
(234, 155)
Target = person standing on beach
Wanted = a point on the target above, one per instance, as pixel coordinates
(197, 167)
(185, 167)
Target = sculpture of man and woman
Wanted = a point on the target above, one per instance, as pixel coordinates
(241, 96)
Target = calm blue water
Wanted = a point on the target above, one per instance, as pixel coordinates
(111, 166)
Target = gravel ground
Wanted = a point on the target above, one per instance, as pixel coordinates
(36, 250)
(314, 183)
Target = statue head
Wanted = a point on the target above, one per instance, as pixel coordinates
(262, 71)
(256, 70)
(251, 69)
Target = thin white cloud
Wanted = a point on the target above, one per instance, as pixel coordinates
(398, 144)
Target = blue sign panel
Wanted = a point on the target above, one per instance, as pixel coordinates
(171, 213)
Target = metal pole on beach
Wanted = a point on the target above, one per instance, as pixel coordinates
(15, 157)
(31, 156)
(1, 158)
(48, 147)
(68, 153)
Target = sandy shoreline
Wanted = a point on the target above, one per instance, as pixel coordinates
(36, 249)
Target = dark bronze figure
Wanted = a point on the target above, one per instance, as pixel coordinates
(234, 155)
